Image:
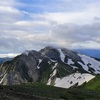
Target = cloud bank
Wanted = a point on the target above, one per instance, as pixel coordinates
(34, 24)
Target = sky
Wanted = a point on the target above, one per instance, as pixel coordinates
(34, 24)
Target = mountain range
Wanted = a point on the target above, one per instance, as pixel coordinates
(90, 52)
(58, 67)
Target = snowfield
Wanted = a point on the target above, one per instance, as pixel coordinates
(62, 56)
(76, 78)
(40, 60)
(70, 61)
(91, 62)
(70, 80)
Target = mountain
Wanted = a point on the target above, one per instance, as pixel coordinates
(59, 67)
(4, 59)
(90, 52)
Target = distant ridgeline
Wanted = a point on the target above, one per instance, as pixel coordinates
(4, 59)
(90, 52)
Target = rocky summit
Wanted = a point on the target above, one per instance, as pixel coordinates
(59, 67)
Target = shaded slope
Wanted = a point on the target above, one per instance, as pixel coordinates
(42, 92)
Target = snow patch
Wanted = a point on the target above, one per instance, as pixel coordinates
(3, 78)
(38, 67)
(85, 67)
(70, 61)
(49, 62)
(40, 60)
(54, 66)
(93, 63)
(68, 81)
(50, 79)
(74, 67)
(52, 60)
(26, 53)
(62, 56)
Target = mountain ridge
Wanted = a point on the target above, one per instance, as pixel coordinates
(90, 52)
(50, 65)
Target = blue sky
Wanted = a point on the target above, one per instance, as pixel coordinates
(34, 24)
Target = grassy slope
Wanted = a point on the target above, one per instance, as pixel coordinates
(36, 91)
(94, 84)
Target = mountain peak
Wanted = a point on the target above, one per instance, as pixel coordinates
(26, 52)
(51, 66)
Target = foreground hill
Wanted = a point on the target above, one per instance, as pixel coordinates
(39, 91)
(53, 66)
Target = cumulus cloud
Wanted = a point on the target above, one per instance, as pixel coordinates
(81, 36)
(22, 29)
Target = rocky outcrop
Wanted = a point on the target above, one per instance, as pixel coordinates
(21, 69)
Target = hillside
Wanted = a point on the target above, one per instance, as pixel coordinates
(37, 91)
(93, 84)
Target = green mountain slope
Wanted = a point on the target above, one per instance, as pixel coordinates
(93, 84)
(37, 91)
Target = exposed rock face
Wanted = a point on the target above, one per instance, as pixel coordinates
(21, 69)
(71, 54)
(50, 52)
(52, 66)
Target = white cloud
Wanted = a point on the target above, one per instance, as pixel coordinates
(32, 23)
(87, 45)
(9, 55)
(7, 2)
(82, 17)
(8, 9)
(78, 36)
(21, 30)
